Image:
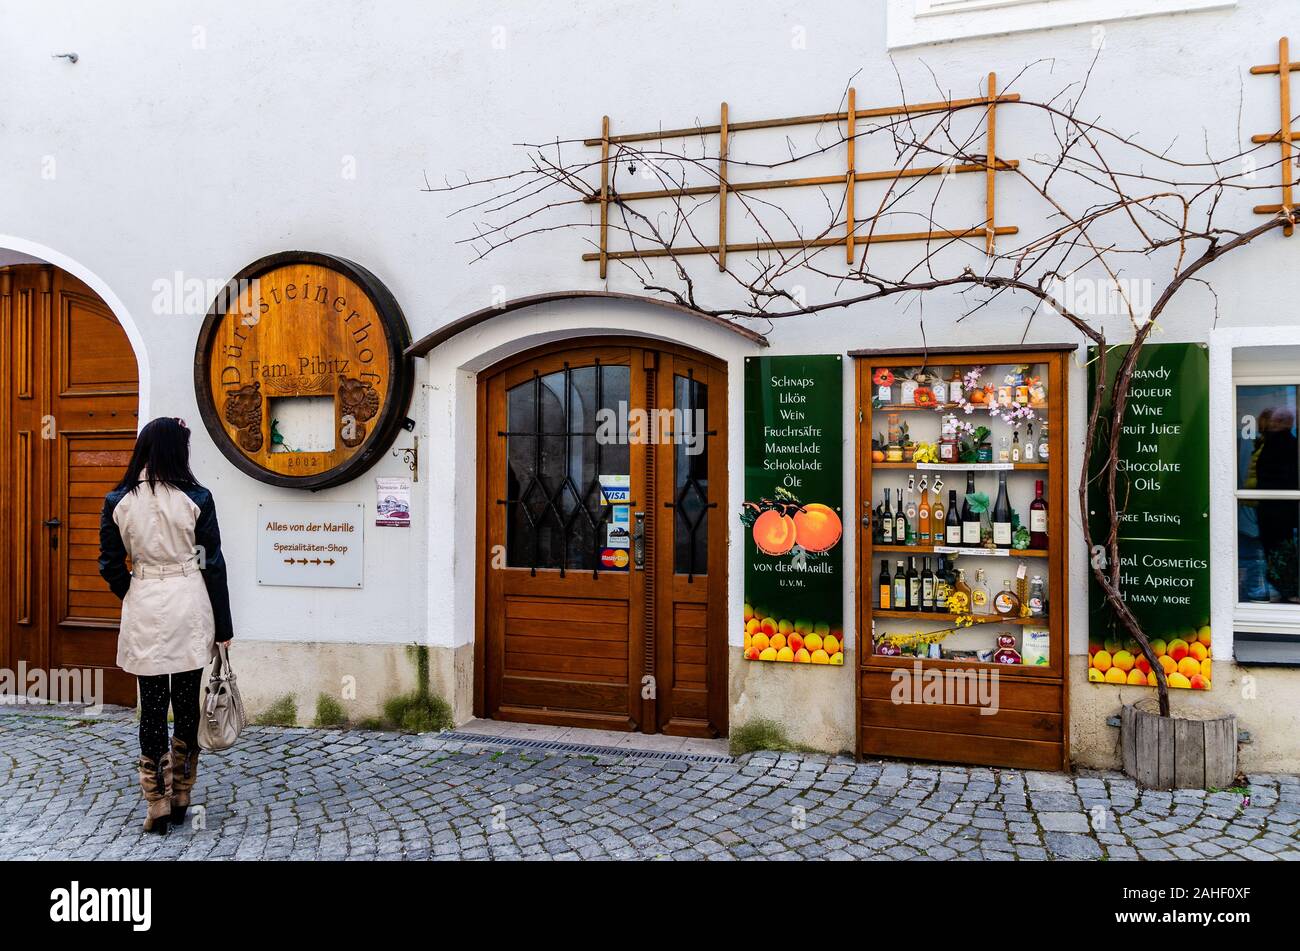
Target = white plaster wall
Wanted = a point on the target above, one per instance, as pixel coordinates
(199, 137)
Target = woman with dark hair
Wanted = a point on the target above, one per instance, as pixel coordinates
(175, 604)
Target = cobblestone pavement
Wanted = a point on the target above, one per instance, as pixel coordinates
(67, 790)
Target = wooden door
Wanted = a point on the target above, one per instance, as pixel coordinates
(68, 426)
(602, 551)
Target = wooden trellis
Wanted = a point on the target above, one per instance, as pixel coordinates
(851, 178)
(1284, 136)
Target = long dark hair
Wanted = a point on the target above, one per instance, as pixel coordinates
(162, 452)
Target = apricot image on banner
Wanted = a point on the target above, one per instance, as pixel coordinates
(793, 511)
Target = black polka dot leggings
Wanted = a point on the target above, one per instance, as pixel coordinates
(157, 693)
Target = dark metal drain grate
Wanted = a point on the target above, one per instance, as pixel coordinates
(580, 749)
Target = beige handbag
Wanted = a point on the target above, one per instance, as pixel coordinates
(222, 717)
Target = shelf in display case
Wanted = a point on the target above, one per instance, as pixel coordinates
(980, 619)
(949, 407)
(962, 550)
(963, 466)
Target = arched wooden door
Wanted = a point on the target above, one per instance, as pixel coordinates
(602, 539)
(70, 391)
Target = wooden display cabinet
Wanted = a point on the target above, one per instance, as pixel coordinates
(1030, 729)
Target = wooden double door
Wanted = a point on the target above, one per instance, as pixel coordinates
(70, 386)
(602, 539)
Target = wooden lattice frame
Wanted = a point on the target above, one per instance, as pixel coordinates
(850, 179)
(1284, 136)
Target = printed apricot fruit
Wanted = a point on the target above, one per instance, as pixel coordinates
(1200, 683)
(752, 626)
(1205, 670)
(1198, 650)
(802, 656)
(819, 656)
(749, 612)
(1189, 667)
(785, 654)
(795, 641)
(1095, 676)
(1178, 648)
(813, 642)
(817, 527)
(1178, 680)
(760, 641)
(1101, 660)
(830, 644)
(1116, 676)
(1123, 660)
(767, 626)
(768, 654)
(785, 627)
(837, 660)
(774, 533)
(1136, 678)
(752, 653)
(1203, 635)
(1168, 663)
(1159, 647)
(777, 640)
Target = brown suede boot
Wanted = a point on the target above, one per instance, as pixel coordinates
(180, 778)
(153, 782)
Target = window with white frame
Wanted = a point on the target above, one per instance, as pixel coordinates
(915, 22)
(1268, 502)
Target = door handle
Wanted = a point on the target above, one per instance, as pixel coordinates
(51, 523)
(638, 540)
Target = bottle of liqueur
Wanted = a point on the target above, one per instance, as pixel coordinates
(913, 585)
(1042, 443)
(979, 594)
(952, 522)
(1031, 448)
(886, 519)
(1015, 446)
(927, 587)
(1037, 598)
(912, 526)
(1038, 518)
(936, 514)
(886, 585)
(1002, 515)
(1007, 603)
(899, 600)
(900, 522)
(963, 592)
(970, 520)
(923, 515)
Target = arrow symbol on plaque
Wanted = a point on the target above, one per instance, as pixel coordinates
(302, 561)
(329, 561)
(288, 561)
(315, 561)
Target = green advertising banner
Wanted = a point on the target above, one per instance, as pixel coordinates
(794, 557)
(1163, 493)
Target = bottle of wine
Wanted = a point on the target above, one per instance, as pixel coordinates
(942, 585)
(899, 600)
(1002, 515)
(913, 585)
(886, 584)
(952, 524)
(970, 520)
(927, 587)
(886, 519)
(1038, 518)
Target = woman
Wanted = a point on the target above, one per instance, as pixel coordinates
(175, 604)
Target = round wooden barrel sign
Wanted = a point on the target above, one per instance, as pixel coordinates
(299, 370)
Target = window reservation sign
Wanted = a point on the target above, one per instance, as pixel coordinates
(794, 559)
(1163, 493)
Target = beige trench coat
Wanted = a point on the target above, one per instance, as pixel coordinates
(168, 624)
